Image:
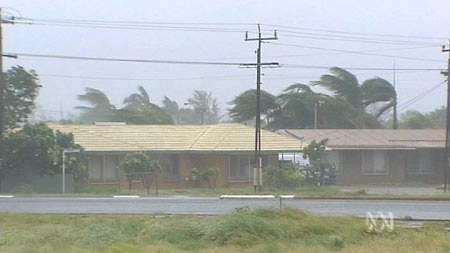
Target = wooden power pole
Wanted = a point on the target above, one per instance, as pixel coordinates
(447, 130)
(257, 175)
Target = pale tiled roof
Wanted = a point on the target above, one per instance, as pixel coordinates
(176, 138)
(372, 138)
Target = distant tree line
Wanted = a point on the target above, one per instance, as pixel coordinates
(137, 108)
(346, 103)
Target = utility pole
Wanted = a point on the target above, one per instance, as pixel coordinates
(394, 114)
(2, 91)
(447, 130)
(257, 175)
(2, 84)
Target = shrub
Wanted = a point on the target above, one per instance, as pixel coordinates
(210, 176)
(23, 189)
(288, 176)
(138, 165)
(194, 176)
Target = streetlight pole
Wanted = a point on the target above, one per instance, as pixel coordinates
(65, 151)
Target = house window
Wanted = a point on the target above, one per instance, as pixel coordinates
(103, 169)
(419, 162)
(335, 159)
(171, 168)
(240, 168)
(374, 162)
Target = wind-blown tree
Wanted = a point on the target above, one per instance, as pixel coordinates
(438, 117)
(183, 115)
(415, 120)
(31, 149)
(318, 164)
(137, 165)
(205, 106)
(37, 149)
(139, 110)
(376, 93)
(101, 108)
(244, 106)
(171, 108)
(297, 105)
(21, 90)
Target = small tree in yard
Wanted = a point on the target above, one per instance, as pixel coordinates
(210, 176)
(138, 165)
(194, 177)
(318, 165)
(37, 149)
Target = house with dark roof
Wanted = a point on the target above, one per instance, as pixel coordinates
(381, 156)
(179, 149)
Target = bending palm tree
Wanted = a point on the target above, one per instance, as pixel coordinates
(376, 93)
(139, 110)
(296, 107)
(101, 110)
(244, 106)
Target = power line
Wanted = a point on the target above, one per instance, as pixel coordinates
(356, 33)
(358, 68)
(335, 53)
(133, 25)
(355, 52)
(88, 58)
(402, 106)
(221, 27)
(142, 79)
(93, 21)
(351, 38)
(66, 57)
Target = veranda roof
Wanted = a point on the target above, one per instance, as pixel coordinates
(372, 138)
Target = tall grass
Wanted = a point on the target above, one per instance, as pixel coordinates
(262, 230)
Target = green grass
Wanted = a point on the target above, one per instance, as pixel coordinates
(266, 231)
(311, 191)
(300, 192)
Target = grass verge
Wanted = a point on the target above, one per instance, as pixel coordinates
(242, 231)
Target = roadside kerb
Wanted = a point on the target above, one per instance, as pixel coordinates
(125, 196)
(247, 197)
(376, 198)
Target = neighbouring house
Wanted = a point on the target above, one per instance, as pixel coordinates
(179, 149)
(381, 156)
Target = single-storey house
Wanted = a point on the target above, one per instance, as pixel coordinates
(179, 149)
(381, 156)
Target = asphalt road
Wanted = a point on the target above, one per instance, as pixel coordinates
(439, 210)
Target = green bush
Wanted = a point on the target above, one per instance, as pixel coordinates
(288, 176)
(194, 176)
(210, 177)
(23, 189)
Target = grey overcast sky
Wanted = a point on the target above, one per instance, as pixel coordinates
(366, 37)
